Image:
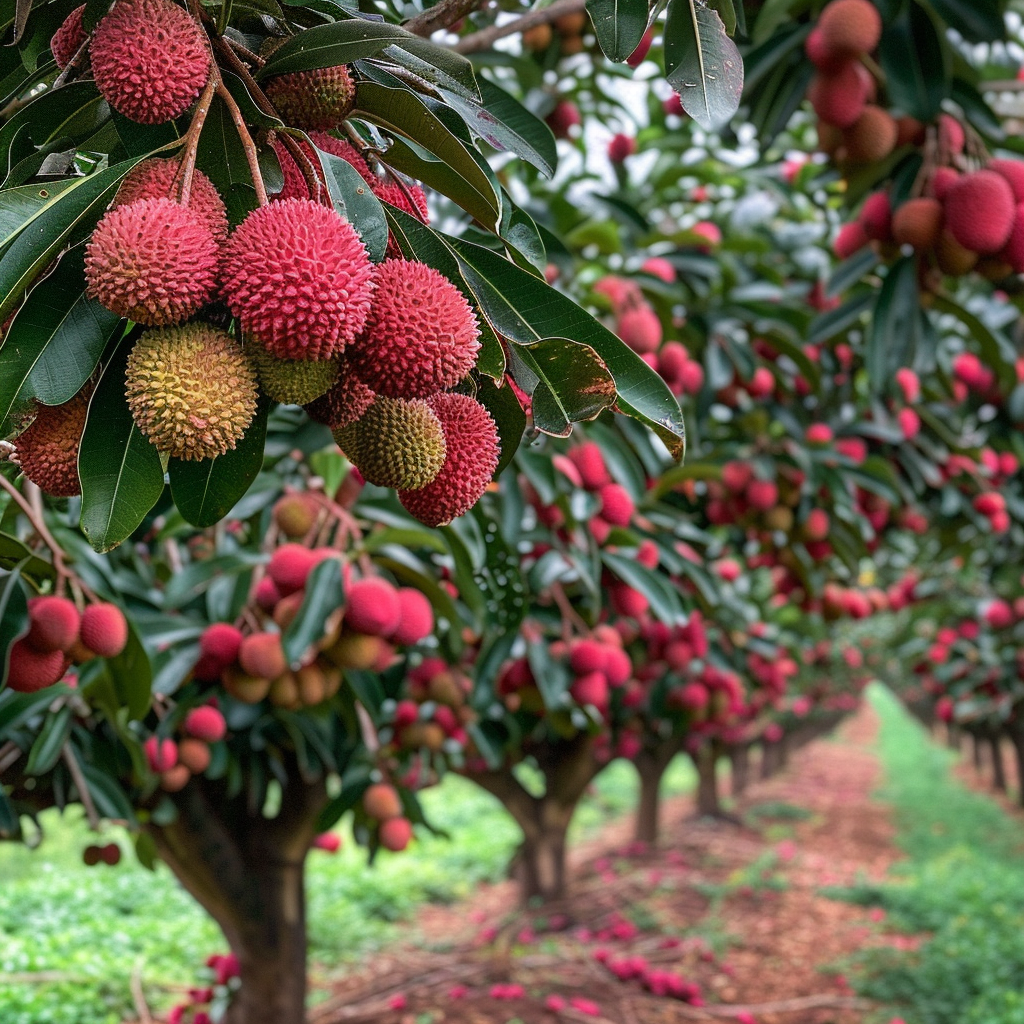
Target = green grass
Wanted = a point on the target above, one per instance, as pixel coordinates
(93, 926)
(962, 882)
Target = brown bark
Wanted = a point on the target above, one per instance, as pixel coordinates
(998, 769)
(706, 760)
(976, 750)
(769, 759)
(1016, 735)
(247, 871)
(651, 764)
(740, 757)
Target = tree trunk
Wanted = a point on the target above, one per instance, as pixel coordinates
(247, 871)
(953, 736)
(540, 862)
(998, 770)
(768, 759)
(706, 760)
(651, 765)
(1017, 739)
(976, 750)
(740, 768)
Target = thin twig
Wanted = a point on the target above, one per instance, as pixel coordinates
(441, 15)
(483, 40)
(138, 996)
(187, 166)
(83, 790)
(9, 753)
(251, 156)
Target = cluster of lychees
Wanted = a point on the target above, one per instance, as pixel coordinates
(435, 709)
(176, 761)
(372, 350)
(59, 635)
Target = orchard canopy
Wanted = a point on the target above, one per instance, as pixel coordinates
(390, 390)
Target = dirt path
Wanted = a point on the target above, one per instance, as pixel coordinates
(735, 911)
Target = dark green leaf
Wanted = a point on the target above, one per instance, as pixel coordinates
(132, 675)
(122, 478)
(851, 271)
(890, 328)
(45, 751)
(664, 600)
(326, 46)
(13, 552)
(915, 62)
(107, 795)
(508, 414)
(196, 577)
(355, 201)
(324, 595)
(13, 616)
(619, 25)
(978, 21)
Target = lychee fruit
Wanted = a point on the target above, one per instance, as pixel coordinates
(205, 723)
(347, 152)
(918, 222)
(1013, 172)
(175, 779)
(154, 179)
(316, 100)
(150, 59)
(395, 834)
(296, 514)
(953, 259)
(589, 460)
(876, 217)
(220, 642)
(1013, 252)
(29, 670)
(53, 624)
(640, 329)
(104, 630)
(564, 115)
(194, 755)
(290, 566)
(68, 39)
(871, 137)
(299, 279)
(952, 136)
(852, 27)
(850, 239)
(191, 390)
(396, 443)
(48, 450)
(620, 147)
(421, 337)
(943, 180)
(372, 607)
(980, 211)
(382, 802)
(840, 99)
(617, 506)
(345, 402)
(262, 656)
(153, 261)
(473, 450)
(161, 754)
(293, 381)
(415, 620)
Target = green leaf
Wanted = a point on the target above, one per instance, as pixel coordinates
(437, 64)
(196, 577)
(664, 600)
(851, 271)
(106, 794)
(45, 752)
(20, 206)
(13, 616)
(206, 491)
(915, 61)
(508, 414)
(14, 553)
(324, 595)
(702, 63)
(326, 46)
(978, 21)
(827, 325)
(132, 675)
(891, 322)
(996, 349)
(54, 342)
(619, 25)
(355, 201)
(403, 113)
(221, 157)
(122, 478)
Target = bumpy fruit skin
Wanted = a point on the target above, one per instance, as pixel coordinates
(345, 403)
(290, 566)
(372, 607)
(54, 623)
(473, 450)
(1013, 172)
(299, 279)
(564, 115)
(48, 449)
(589, 460)
(150, 59)
(616, 505)
(339, 147)
(293, 381)
(152, 261)
(620, 147)
(1013, 252)
(154, 179)
(381, 802)
(194, 755)
(104, 630)
(640, 329)
(871, 137)
(206, 724)
(68, 38)
(918, 222)
(980, 211)
(218, 648)
(840, 99)
(850, 26)
(396, 443)
(30, 671)
(416, 617)
(262, 656)
(316, 100)
(191, 390)
(422, 335)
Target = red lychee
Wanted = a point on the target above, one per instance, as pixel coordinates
(421, 337)
(68, 38)
(150, 59)
(161, 754)
(382, 802)
(876, 217)
(348, 152)
(640, 329)
(872, 137)
(850, 26)
(29, 670)
(620, 147)
(299, 279)
(54, 623)
(205, 723)
(473, 450)
(851, 238)
(104, 630)
(617, 506)
(416, 617)
(589, 460)
(48, 450)
(395, 834)
(564, 116)
(839, 99)
(1013, 172)
(372, 607)
(289, 567)
(347, 401)
(152, 261)
(918, 222)
(980, 211)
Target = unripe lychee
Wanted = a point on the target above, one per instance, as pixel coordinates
(617, 506)
(395, 834)
(154, 179)
(175, 779)
(396, 443)
(382, 802)
(53, 624)
(538, 37)
(871, 137)
(850, 26)
(150, 59)
(68, 38)
(422, 335)
(29, 670)
(290, 566)
(246, 688)
(640, 329)
(472, 453)
(262, 656)
(840, 99)
(161, 754)
(191, 390)
(372, 607)
(299, 279)
(415, 620)
(346, 401)
(316, 100)
(918, 222)
(194, 755)
(356, 651)
(296, 514)
(205, 723)
(48, 450)
(104, 630)
(292, 381)
(980, 211)
(153, 261)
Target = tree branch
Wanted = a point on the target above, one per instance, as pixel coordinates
(485, 38)
(441, 15)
